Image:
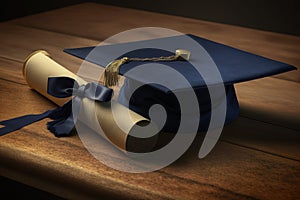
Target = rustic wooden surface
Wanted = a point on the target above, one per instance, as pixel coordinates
(258, 156)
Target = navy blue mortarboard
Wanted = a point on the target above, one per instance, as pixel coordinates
(142, 91)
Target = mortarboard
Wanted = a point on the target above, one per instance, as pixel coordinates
(140, 91)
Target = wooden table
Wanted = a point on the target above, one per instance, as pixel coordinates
(258, 156)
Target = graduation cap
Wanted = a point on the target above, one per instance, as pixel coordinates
(141, 91)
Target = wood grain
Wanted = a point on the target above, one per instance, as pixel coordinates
(11, 71)
(255, 102)
(271, 100)
(99, 22)
(260, 135)
(265, 99)
(15, 42)
(256, 158)
(217, 176)
(254, 96)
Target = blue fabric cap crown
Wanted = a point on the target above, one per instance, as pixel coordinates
(233, 65)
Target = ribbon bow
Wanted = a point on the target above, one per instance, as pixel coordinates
(64, 117)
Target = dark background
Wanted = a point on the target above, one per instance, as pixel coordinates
(272, 15)
(277, 16)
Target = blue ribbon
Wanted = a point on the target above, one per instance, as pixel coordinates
(64, 117)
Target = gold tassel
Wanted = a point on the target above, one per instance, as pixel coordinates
(111, 74)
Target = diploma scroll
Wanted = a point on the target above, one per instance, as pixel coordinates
(39, 66)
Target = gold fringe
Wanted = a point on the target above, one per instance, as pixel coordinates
(111, 74)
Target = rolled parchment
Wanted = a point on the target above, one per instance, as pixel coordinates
(38, 66)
